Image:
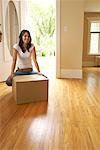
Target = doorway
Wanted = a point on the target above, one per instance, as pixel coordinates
(91, 39)
(41, 22)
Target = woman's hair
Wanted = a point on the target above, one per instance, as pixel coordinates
(0, 33)
(21, 40)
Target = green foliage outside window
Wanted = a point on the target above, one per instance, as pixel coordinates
(43, 21)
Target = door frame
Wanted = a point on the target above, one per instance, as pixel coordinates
(58, 69)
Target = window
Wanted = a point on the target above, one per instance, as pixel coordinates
(94, 42)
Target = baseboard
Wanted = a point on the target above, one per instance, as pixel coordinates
(71, 73)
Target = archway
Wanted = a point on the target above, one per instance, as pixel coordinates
(11, 26)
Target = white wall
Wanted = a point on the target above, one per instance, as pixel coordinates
(92, 6)
(72, 17)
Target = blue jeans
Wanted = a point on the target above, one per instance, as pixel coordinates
(17, 73)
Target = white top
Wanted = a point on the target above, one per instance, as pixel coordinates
(24, 59)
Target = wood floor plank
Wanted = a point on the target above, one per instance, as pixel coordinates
(70, 120)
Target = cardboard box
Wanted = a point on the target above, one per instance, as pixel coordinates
(30, 88)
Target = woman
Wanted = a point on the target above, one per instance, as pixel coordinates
(23, 52)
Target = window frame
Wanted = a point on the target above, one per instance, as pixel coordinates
(91, 20)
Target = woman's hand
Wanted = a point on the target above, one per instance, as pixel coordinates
(11, 76)
(39, 73)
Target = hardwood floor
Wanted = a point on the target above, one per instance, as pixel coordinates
(69, 121)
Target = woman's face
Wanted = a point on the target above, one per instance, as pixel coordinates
(26, 38)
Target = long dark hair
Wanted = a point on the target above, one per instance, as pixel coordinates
(21, 41)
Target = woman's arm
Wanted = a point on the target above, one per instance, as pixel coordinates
(14, 61)
(35, 59)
